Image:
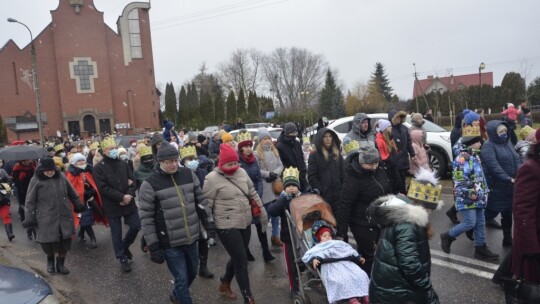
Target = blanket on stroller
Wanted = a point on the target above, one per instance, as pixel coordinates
(343, 279)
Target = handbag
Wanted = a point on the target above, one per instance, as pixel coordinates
(277, 186)
(517, 290)
(255, 208)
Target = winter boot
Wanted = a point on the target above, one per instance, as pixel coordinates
(276, 241)
(50, 264)
(225, 289)
(249, 300)
(470, 234)
(92, 235)
(267, 255)
(483, 253)
(446, 242)
(452, 215)
(173, 299)
(203, 260)
(144, 246)
(250, 256)
(29, 233)
(60, 266)
(493, 224)
(9, 231)
(81, 235)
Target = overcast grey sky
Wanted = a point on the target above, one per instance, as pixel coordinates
(441, 37)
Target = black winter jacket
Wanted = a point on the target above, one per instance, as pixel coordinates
(111, 177)
(401, 136)
(326, 175)
(291, 155)
(359, 189)
(277, 208)
(402, 267)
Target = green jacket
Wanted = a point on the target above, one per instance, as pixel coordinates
(402, 265)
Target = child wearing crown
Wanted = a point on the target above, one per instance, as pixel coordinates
(471, 193)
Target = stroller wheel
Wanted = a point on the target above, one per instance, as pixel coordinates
(299, 299)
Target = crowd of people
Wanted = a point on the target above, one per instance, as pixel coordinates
(187, 190)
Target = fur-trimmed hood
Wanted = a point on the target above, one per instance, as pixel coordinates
(395, 116)
(388, 214)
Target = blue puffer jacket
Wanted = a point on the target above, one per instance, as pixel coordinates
(470, 189)
(500, 162)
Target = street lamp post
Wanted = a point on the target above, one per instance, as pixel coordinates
(480, 68)
(34, 80)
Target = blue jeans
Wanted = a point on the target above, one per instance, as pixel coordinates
(183, 262)
(274, 220)
(121, 246)
(472, 219)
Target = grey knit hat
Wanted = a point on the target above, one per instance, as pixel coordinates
(368, 155)
(289, 128)
(263, 133)
(167, 151)
(191, 136)
(156, 138)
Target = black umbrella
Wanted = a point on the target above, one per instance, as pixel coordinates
(17, 153)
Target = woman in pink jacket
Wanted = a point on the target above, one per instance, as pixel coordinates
(421, 160)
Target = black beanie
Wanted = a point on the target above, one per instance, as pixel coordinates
(47, 163)
(167, 151)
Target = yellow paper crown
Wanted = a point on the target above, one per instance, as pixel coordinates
(145, 151)
(94, 145)
(108, 142)
(291, 172)
(470, 131)
(188, 151)
(424, 191)
(351, 146)
(58, 147)
(306, 140)
(243, 136)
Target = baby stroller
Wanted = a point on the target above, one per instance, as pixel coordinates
(304, 210)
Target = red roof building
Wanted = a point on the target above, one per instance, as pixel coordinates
(91, 78)
(450, 83)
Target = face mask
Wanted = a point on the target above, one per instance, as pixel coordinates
(82, 167)
(503, 136)
(123, 157)
(62, 154)
(193, 164)
(148, 163)
(134, 145)
(113, 153)
(377, 129)
(229, 171)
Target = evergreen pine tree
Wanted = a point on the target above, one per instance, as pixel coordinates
(183, 108)
(240, 104)
(3, 132)
(329, 94)
(231, 107)
(193, 101)
(207, 110)
(219, 110)
(253, 104)
(379, 79)
(170, 103)
(266, 104)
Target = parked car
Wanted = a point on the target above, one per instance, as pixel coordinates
(438, 138)
(21, 286)
(257, 125)
(274, 132)
(210, 130)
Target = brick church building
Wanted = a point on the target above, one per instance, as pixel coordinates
(91, 78)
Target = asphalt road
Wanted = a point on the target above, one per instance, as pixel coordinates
(96, 277)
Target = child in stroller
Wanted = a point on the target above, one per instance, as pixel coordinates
(343, 280)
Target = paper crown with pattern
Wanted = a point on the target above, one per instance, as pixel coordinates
(94, 145)
(471, 131)
(425, 188)
(108, 142)
(145, 151)
(305, 140)
(351, 146)
(188, 151)
(243, 136)
(58, 147)
(291, 175)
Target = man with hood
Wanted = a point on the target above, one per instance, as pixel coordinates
(401, 137)
(326, 167)
(290, 152)
(361, 130)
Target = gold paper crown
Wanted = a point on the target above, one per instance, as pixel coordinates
(291, 173)
(470, 131)
(59, 162)
(424, 191)
(243, 136)
(5, 188)
(94, 145)
(108, 142)
(145, 151)
(351, 146)
(188, 151)
(58, 147)
(306, 140)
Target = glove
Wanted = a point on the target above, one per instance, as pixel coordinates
(316, 191)
(156, 253)
(88, 193)
(29, 224)
(272, 177)
(80, 208)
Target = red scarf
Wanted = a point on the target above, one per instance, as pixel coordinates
(248, 158)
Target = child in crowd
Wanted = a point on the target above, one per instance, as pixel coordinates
(306, 149)
(342, 279)
(421, 160)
